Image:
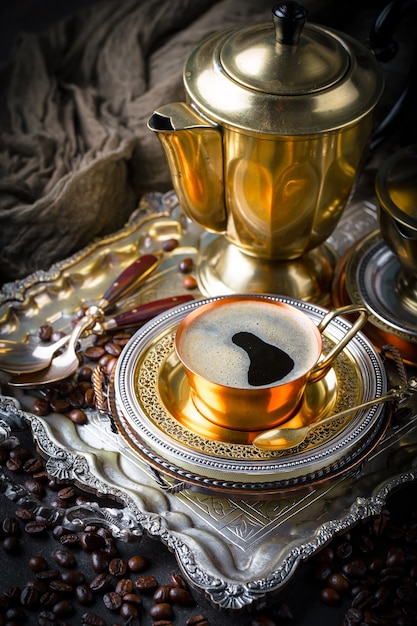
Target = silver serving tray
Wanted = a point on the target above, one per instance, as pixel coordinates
(238, 551)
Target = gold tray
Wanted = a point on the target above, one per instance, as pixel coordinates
(156, 416)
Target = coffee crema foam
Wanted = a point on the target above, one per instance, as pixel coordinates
(208, 349)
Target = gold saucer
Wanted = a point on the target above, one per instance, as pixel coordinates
(151, 405)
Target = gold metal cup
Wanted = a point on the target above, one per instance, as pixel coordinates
(253, 408)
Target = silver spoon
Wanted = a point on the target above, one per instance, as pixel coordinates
(285, 438)
(66, 363)
(17, 357)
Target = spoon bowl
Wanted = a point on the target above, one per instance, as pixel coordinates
(62, 366)
(18, 357)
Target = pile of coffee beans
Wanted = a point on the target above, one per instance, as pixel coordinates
(85, 569)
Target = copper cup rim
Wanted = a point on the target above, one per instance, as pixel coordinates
(297, 313)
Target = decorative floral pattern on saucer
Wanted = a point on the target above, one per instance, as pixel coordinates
(156, 416)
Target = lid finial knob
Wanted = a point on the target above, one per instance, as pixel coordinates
(289, 19)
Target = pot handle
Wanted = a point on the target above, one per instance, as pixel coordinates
(381, 41)
(324, 363)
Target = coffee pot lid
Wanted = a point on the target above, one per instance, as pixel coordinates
(285, 76)
(290, 60)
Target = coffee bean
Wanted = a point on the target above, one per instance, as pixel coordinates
(91, 619)
(113, 348)
(197, 620)
(29, 597)
(84, 595)
(37, 563)
(60, 586)
(124, 586)
(47, 574)
(39, 585)
(36, 527)
(41, 407)
(63, 608)
(178, 581)
(69, 539)
(99, 561)
(112, 601)
(338, 582)
(162, 594)
(330, 596)
(189, 282)
(186, 265)
(12, 593)
(32, 466)
(181, 596)
(45, 332)
(47, 618)
(90, 541)
(78, 416)
(35, 487)
(170, 244)
(94, 353)
(84, 374)
(162, 610)
(354, 569)
(67, 493)
(14, 465)
(11, 544)
(128, 611)
(132, 598)
(138, 563)
(146, 584)
(117, 567)
(73, 577)
(102, 582)
(49, 599)
(64, 558)
(60, 405)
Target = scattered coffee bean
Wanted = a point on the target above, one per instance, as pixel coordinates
(38, 563)
(138, 563)
(189, 282)
(186, 265)
(112, 601)
(84, 595)
(163, 610)
(146, 584)
(64, 558)
(169, 244)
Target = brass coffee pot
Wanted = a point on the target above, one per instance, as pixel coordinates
(267, 148)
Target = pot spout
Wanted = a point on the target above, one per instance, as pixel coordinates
(193, 149)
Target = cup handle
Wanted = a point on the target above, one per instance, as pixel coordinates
(322, 366)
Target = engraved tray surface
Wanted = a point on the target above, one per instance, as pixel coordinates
(237, 551)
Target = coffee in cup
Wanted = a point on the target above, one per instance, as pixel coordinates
(249, 343)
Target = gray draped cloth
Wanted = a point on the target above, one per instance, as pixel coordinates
(75, 151)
